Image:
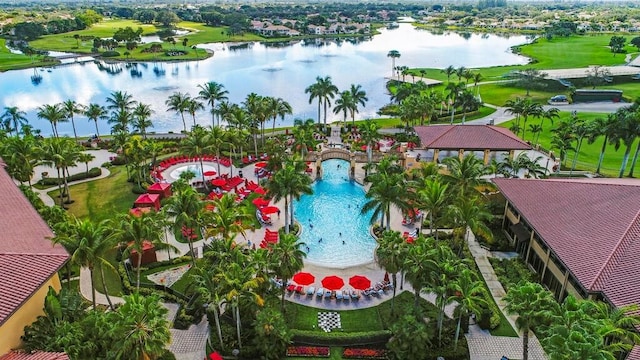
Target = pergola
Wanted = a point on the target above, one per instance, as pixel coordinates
(469, 138)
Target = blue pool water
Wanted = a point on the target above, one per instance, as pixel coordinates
(334, 213)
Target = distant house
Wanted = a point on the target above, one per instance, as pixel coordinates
(29, 264)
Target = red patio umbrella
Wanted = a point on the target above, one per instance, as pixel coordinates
(210, 173)
(304, 278)
(259, 190)
(270, 210)
(360, 282)
(215, 356)
(260, 202)
(332, 282)
(219, 182)
(261, 164)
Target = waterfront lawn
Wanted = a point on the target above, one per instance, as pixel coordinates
(589, 153)
(201, 33)
(101, 199)
(10, 61)
(103, 29)
(499, 93)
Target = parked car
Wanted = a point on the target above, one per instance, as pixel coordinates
(559, 98)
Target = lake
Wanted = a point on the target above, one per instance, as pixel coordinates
(280, 70)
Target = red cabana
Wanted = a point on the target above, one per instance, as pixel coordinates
(332, 282)
(359, 282)
(148, 200)
(162, 189)
(148, 254)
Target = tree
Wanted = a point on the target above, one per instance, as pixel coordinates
(142, 119)
(314, 93)
(96, 112)
(289, 183)
(467, 212)
(141, 329)
(635, 42)
(89, 243)
(432, 198)
(468, 293)
(393, 54)
(530, 78)
(210, 290)
(465, 175)
(14, 115)
(390, 254)
(272, 334)
(616, 44)
(277, 107)
(532, 304)
(449, 70)
(386, 190)
(122, 101)
(186, 206)
(86, 158)
(288, 259)
(411, 338)
(454, 91)
(212, 92)
(53, 114)
(21, 155)
(358, 97)
(369, 134)
(167, 18)
(602, 127)
(60, 153)
(627, 130)
(343, 105)
(227, 218)
(194, 106)
(325, 91)
(179, 102)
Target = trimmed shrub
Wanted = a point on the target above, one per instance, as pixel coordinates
(111, 53)
(313, 337)
(50, 181)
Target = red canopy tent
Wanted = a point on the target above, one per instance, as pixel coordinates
(332, 282)
(359, 282)
(148, 200)
(304, 278)
(162, 189)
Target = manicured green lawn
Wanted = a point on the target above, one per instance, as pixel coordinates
(202, 33)
(589, 153)
(335, 353)
(9, 61)
(111, 277)
(101, 199)
(306, 318)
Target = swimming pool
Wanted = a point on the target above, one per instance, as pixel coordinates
(332, 214)
(195, 168)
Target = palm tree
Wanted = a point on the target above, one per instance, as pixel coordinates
(419, 264)
(449, 70)
(288, 259)
(393, 54)
(617, 324)
(71, 108)
(467, 212)
(369, 134)
(390, 255)
(466, 174)
(468, 293)
(196, 144)
(627, 129)
(121, 120)
(210, 290)
(386, 190)
(455, 89)
(89, 243)
(95, 112)
(477, 78)
(580, 131)
(602, 127)
(61, 153)
(179, 102)
(532, 304)
(277, 107)
(212, 92)
(141, 328)
(255, 106)
(186, 206)
(53, 114)
(122, 101)
(16, 116)
(460, 72)
(314, 93)
(289, 183)
(226, 221)
(141, 119)
(326, 91)
(515, 107)
(21, 155)
(529, 108)
(432, 197)
(358, 96)
(86, 158)
(192, 107)
(535, 129)
(343, 105)
(303, 139)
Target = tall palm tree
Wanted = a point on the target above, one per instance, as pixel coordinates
(515, 107)
(196, 144)
(277, 107)
(288, 259)
(16, 116)
(54, 114)
(21, 155)
(460, 72)
(468, 293)
(344, 103)
(465, 175)
(358, 97)
(454, 91)
(419, 264)
(532, 304)
(393, 54)
(217, 137)
(89, 243)
(122, 101)
(192, 107)
(211, 293)
(449, 70)
(289, 183)
(303, 139)
(255, 106)
(186, 206)
(529, 109)
(325, 90)
(390, 255)
(467, 212)
(386, 190)
(142, 119)
(627, 130)
(314, 93)
(227, 220)
(212, 92)
(71, 108)
(96, 112)
(369, 134)
(179, 102)
(432, 198)
(602, 127)
(121, 120)
(477, 78)
(61, 153)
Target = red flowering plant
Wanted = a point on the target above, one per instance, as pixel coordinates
(364, 353)
(308, 351)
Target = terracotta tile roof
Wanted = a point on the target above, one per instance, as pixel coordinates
(38, 355)
(27, 257)
(472, 137)
(593, 226)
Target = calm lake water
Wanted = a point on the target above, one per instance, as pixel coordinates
(266, 69)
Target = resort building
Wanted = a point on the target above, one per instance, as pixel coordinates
(29, 265)
(581, 236)
(484, 141)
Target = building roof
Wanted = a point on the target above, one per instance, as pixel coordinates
(472, 137)
(593, 226)
(27, 257)
(38, 355)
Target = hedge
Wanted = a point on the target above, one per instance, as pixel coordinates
(314, 337)
(50, 181)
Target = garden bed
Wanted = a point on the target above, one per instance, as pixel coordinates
(308, 351)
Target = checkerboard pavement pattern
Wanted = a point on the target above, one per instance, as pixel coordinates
(328, 321)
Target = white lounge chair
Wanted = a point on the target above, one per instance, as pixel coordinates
(327, 294)
(339, 295)
(320, 292)
(345, 295)
(311, 291)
